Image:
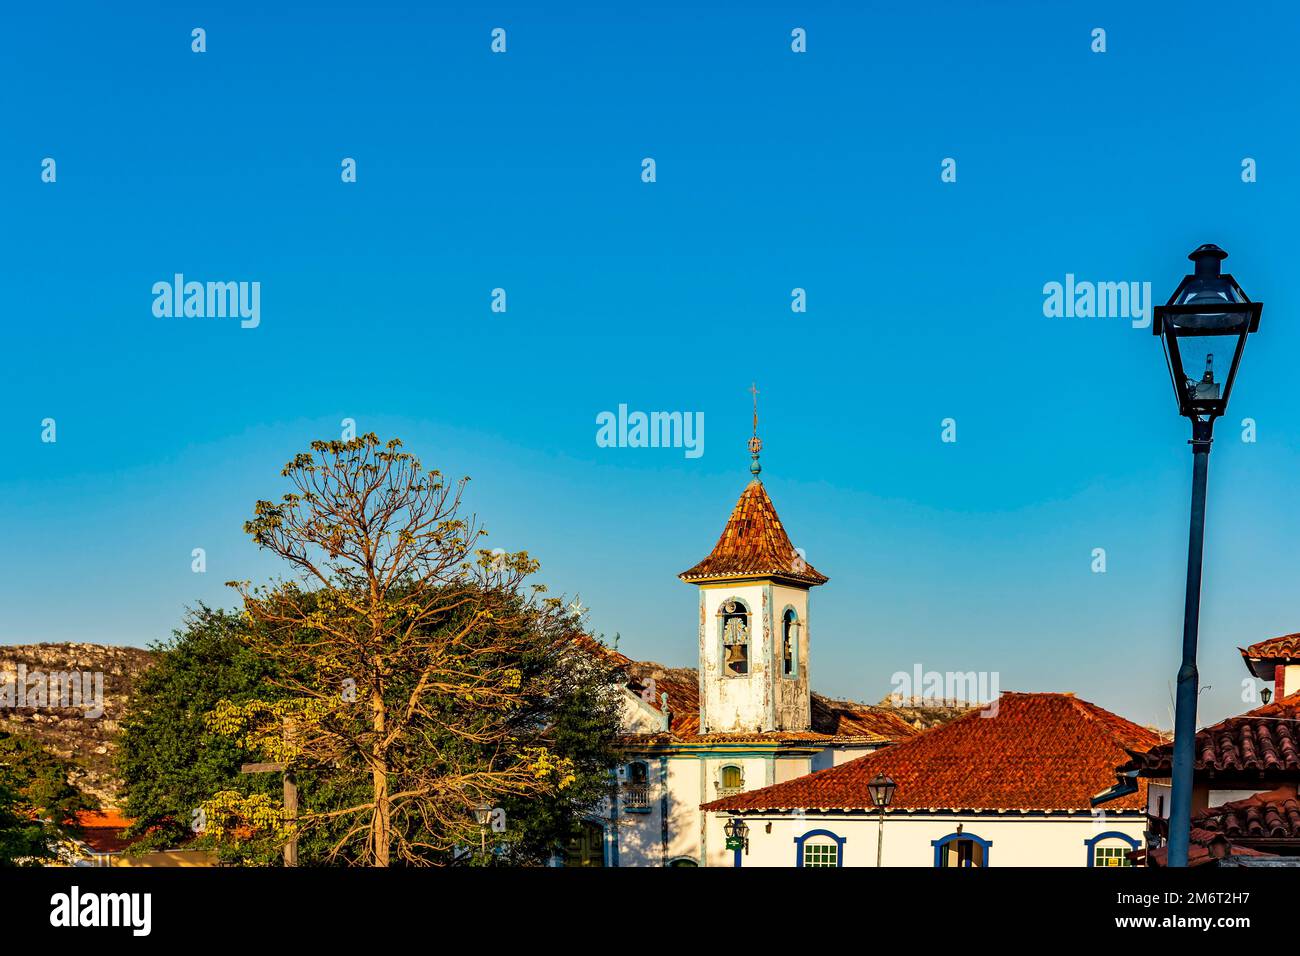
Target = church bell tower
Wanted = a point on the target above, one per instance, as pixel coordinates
(754, 636)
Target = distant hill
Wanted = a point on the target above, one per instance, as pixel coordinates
(926, 713)
(70, 732)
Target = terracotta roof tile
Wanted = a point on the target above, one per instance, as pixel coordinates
(103, 831)
(1263, 817)
(754, 543)
(1198, 850)
(842, 718)
(1264, 739)
(1273, 815)
(1286, 647)
(1040, 752)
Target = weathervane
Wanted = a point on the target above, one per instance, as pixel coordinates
(755, 443)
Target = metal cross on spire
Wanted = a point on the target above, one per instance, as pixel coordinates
(755, 443)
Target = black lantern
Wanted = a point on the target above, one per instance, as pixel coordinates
(737, 832)
(483, 814)
(1204, 327)
(882, 791)
(1266, 695)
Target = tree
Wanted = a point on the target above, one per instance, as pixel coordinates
(169, 762)
(172, 765)
(403, 654)
(38, 803)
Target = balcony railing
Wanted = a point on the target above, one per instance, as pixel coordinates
(636, 796)
(724, 792)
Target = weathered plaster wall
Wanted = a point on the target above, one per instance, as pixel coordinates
(764, 699)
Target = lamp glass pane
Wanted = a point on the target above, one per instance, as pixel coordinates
(1207, 360)
(1207, 293)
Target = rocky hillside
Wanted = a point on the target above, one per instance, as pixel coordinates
(926, 713)
(76, 719)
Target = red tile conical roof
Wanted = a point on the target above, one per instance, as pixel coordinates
(754, 544)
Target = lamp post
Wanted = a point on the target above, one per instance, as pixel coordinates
(1203, 327)
(882, 795)
(737, 833)
(482, 816)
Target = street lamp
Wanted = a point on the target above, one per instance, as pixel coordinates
(483, 816)
(882, 795)
(1266, 695)
(1203, 328)
(737, 831)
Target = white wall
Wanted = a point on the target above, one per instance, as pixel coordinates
(734, 703)
(764, 699)
(1017, 840)
(834, 756)
(691, 782)
(1290, 679)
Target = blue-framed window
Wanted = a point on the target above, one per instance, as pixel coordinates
(819, 848)
(735, 627)
(961, 850)
(790, 628)
(1110, 849)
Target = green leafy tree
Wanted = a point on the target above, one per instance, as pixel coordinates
(38, 801)
(171, 764)
(168, 760)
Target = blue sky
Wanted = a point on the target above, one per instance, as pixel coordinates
(775, 170)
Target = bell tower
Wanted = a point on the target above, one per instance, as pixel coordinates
(754, 645)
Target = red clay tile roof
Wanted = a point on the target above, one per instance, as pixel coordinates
(589, 645)
(833, 721)
(1263, 657)
(845, 718)
(1263, 817)
(753, 544)
(1198, 850)
(102, 831)
(1273, 815)
(1040, 752)
(1266, 739)
(1286, 647)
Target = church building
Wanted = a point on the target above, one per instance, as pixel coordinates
(746, 718)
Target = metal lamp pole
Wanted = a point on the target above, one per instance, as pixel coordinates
(880, 838)
(1204, 327)
(881, 790)
(1180, 810)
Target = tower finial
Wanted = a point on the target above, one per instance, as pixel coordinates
(755, 443)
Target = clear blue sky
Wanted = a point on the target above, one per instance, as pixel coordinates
(775, 171)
